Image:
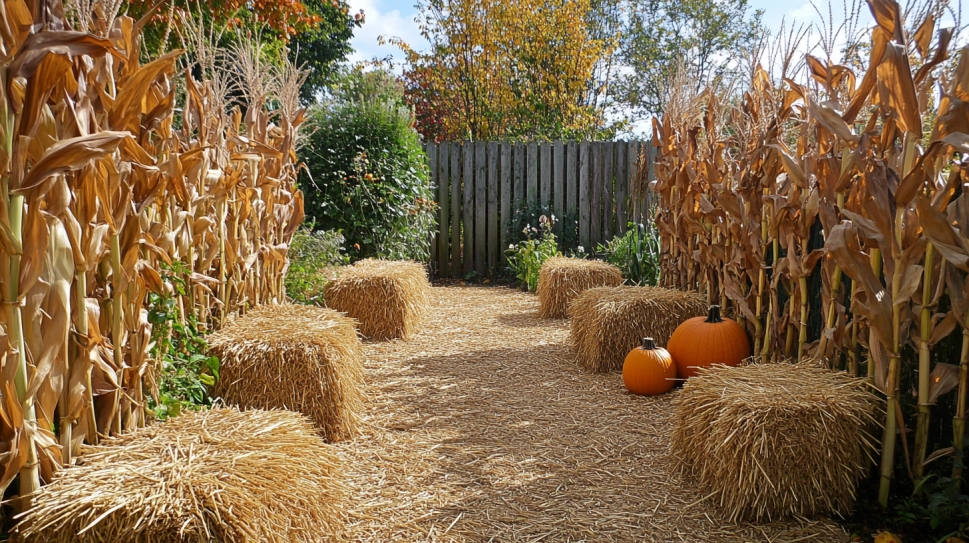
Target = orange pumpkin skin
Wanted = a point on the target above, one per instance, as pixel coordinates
(648, 370)
(701, 342)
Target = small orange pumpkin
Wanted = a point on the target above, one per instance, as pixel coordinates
(648, 369)
(701, 342)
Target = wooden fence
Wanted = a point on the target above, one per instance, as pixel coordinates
(481, 186)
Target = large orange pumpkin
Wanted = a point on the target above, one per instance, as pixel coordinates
(648, 370)
(704, 341)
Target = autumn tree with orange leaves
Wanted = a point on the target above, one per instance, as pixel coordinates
(514, 69)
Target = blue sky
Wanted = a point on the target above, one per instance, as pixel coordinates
(396, 18)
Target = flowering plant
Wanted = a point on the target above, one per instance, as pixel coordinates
(526, 258)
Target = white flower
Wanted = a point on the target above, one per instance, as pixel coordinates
(511, 246)
(526, 229)
(581, 249)
(553, 218)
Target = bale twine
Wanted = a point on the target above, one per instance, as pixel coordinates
(561, 280)
(388, 298)
(215, 475)
(767, 441)
(608, 322)
(307, 359)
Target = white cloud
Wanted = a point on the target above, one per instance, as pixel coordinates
(388, 19)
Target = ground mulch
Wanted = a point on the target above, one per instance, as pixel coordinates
(483, 428)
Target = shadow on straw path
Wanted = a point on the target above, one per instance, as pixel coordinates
(483, 428)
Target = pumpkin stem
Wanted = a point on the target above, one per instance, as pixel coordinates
(714, 314)
(649, 344)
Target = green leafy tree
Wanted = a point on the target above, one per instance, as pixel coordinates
(368, 174)
(662, 36)
(325, 44)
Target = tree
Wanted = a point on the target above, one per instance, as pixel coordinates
(702, 36)
(323, 45)
(504, 68)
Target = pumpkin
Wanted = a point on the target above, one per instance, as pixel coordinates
(701, 342)
(648, 370)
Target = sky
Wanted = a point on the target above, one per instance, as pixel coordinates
(396, 18)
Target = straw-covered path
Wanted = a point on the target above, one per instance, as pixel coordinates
(483, 428)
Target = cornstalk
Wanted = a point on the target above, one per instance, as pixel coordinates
(29, 473)
(117, 323)
(925, 409)
(761, 278)
(959, 421)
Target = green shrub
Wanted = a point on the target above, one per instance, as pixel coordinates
(186, 370)
(636, 253)
(526, 258)
(311, 255)
(369, 177)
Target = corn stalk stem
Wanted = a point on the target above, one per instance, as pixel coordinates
(962, 396)
(802, 334)
(925, 369)
(117, 324)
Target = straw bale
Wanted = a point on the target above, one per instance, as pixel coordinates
(215, 475)
(388, 298)
(307, 359)
(561, 280)
(608, 322)
(769, 441)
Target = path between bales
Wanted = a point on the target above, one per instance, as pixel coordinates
(483, 428)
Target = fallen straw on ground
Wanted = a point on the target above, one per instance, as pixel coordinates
(218, 475)
(302, 358)
(561, 280)
(769, 441)
(387, 298)
(482, 428)
(607, 323)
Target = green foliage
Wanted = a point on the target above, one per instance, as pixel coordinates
(519, 228)
(660, 34)
(186, 371)
(369, 173)
(937, 507)
(322, 46)
(636, 253)
(526, 258)
(311, 254)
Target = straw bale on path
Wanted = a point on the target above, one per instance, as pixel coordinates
(303, 358)
(561, 280)
(388, 298)
(607, 323)
(769, 441)
(217, 475)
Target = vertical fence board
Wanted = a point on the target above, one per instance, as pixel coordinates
(506, 196)
(571, 183)
(622, 186)
(492, 208)
(558, 188)
(531, 183)
(431, 150)
(651, 174)
(456, 256)
(608, 193)
(444, 213)
(584, 203)
(480, 209)
(595, 218)
(633, 160)
(545, 169)
(468, 178)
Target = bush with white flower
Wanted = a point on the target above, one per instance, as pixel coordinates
(526, 258)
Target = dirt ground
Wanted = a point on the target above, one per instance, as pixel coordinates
(483, 428)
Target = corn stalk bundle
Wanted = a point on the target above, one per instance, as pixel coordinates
(214, 475)
(844, 175)
(608, 322)
(100, 190)
(561, 280)
(769, 441)
(389, 299)
(306, 359)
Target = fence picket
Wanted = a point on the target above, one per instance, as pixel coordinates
(518, 196)
(622, 186)
(431, 150)
(633, 160)
(531, 184)
(468, 180)
(545, 169)
(558, 187)
(584, 202)
(595, 220)
(456, 256)
(492, 208)
(506, 196)
(444, 214)
(608, 150)
(480, 209)
(571, 184)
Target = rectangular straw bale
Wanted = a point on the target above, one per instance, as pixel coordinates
(608, 322)
(214, 475)
(768, 441)
(307, 359)
(388, 298)
(561, 280)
